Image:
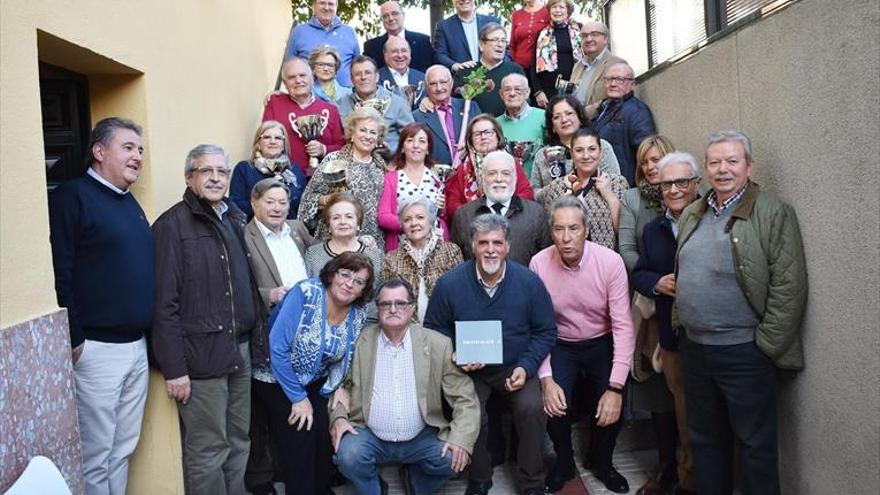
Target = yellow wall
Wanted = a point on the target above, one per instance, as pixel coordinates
(189, 71)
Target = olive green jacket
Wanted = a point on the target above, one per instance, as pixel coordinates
(768, 256)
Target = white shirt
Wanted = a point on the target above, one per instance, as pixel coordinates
(504, 206)
(287, 257)
(98, 177)
(400, 80)
(394, 407)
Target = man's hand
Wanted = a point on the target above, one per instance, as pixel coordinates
(541, 99)
(301, 415)
(467, 368)
(271, 94)
(460, 457)
(341, 397)
(316, 149)
(608, 410)
(516, 380)
(426, 105)
(666, 285)
(179, 389)
(463, 65)
(77, 352)
(339, 428)
(277, 294)
(554, 398)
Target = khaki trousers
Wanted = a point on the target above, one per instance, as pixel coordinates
(674, 373)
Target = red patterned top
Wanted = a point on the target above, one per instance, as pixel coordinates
(524, 34)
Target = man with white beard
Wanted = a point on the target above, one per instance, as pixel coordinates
(528, 221)
(490, 288)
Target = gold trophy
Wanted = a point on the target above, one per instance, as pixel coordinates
(334, 173)
(310, 128)
(380, 104)
(564, 87)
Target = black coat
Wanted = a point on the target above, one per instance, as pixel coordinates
(656, 259)
(625, 123)
(419, 44)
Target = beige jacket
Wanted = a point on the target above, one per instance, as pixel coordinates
(263, 264)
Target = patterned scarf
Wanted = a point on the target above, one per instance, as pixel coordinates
(652, 193)
(276, 167)
(472, 168)
(420, 256)
(545, 56)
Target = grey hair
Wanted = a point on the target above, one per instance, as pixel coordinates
(300, 59)
(105, 129)
(568, 201)
(490, 222)
(515, 75)
(731, 135)
(435, 68)
(265, 185)
(429, 205)
(624, 64)
(200, 151)
(502, 156)
(394, 283)
(679, 157)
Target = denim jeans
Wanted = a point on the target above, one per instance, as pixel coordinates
(359, 455)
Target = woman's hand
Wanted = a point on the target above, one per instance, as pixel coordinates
(603, 185)
(541, 99)
(440, 201)
(277, 294)
(301, 415)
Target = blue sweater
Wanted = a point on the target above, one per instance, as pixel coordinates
(245, 176)
(521, 302)
(102, 251)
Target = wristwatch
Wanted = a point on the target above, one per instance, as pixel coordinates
(616, 390)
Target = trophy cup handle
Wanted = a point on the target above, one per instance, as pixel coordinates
(291, 117)
(325, 119)
(420, 90)
(387, 85)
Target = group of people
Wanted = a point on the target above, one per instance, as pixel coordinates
(305, 323)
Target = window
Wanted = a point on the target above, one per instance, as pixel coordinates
(675, 26)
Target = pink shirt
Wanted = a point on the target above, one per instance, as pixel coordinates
(589, 301)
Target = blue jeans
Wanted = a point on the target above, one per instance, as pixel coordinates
(360, 454)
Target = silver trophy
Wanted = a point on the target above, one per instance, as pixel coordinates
(310, 128)
(554, 157)
(565, 87)
(442, 171)
(521, 150)
(380, 104)
(334, 173)
(412, 93)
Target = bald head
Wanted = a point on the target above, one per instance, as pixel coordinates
(594, 39)
(397, 54)
(392, 17)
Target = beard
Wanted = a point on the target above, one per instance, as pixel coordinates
(499, 197)
(492, 266)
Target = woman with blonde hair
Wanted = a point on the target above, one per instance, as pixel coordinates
(325, 61)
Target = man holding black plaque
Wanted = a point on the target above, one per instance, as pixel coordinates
(483, 293)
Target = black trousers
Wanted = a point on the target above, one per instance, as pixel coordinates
(730, 392)
(264, 445)
(305, 455)
(592, 359)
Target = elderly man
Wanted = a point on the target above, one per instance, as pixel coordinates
(443, 114)
(587, 72)
(529, 232)
(102, 252)
(456, 37)
(325, 28)
(623, 120)
(397, 73)
(740, 290)
(207, 313)
(393, 21)
(365, 78)
(400, 375)
(653, 278)
(523, 124)
(493, 49)
(299, 102)
(492, 288)
(595, 341)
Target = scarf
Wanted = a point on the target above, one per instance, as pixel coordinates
(545, 49)
(278, 167)
(472, 169)
(420, 256)
(652, 193)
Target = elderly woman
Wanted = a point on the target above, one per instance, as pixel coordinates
(410, 176)
(324, 61)
(312, 342)
(276, 247)
(423, 256)
(642, 203)
(526, 23)
(483, 135)
(270, 154)
(564, 116)
(600, 192)
(654, 278)
(557, 49)
(362, 168)
(344, 215)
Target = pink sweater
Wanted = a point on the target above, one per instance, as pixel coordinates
(387, 215)
(589, 302)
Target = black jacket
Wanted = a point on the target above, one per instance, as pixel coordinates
(656, 259)
(194, 324)
(421, 50)
(625, 123)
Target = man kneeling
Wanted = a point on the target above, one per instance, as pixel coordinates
(398, 378)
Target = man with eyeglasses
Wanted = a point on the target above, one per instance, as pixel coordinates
(740, 294)
(325, 28)
(654, 278)
(522, 124)
(393, 18)
(623, 120)
(207, 314)
(493, 50)
(400, 375)
(456, 37)
(587, 71)
(443, 114)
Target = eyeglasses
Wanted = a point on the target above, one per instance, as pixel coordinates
(618, 79)
(514, 90)
(486, 132)
(386, 305)
(272, 138)
(563, 115)
(210, 171)
(678, 183)
(348, 276)
(500, 41)
(592, 34)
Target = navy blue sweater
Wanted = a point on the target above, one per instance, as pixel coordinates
(521, 302)
(102, 251)
(656, 259)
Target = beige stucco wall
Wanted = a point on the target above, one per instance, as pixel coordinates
(804, 84)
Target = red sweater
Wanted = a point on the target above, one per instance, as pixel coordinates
(524, 34)
(283, 109)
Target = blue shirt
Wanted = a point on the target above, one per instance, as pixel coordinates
(305, 37)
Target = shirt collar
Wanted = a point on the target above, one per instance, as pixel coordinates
(711, 199)
(527, 109)
(471, 21)
(267, 232)
(309, 103)
(580, 262)
(505, 204)
(387, 344)
(599, 58)
(492, 67)
(98, 177)
(220, 209)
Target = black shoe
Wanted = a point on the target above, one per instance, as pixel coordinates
(678, 490)
(475, 488)
(264, 489)
(613, 481)
(558, 479)
(535, 491)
